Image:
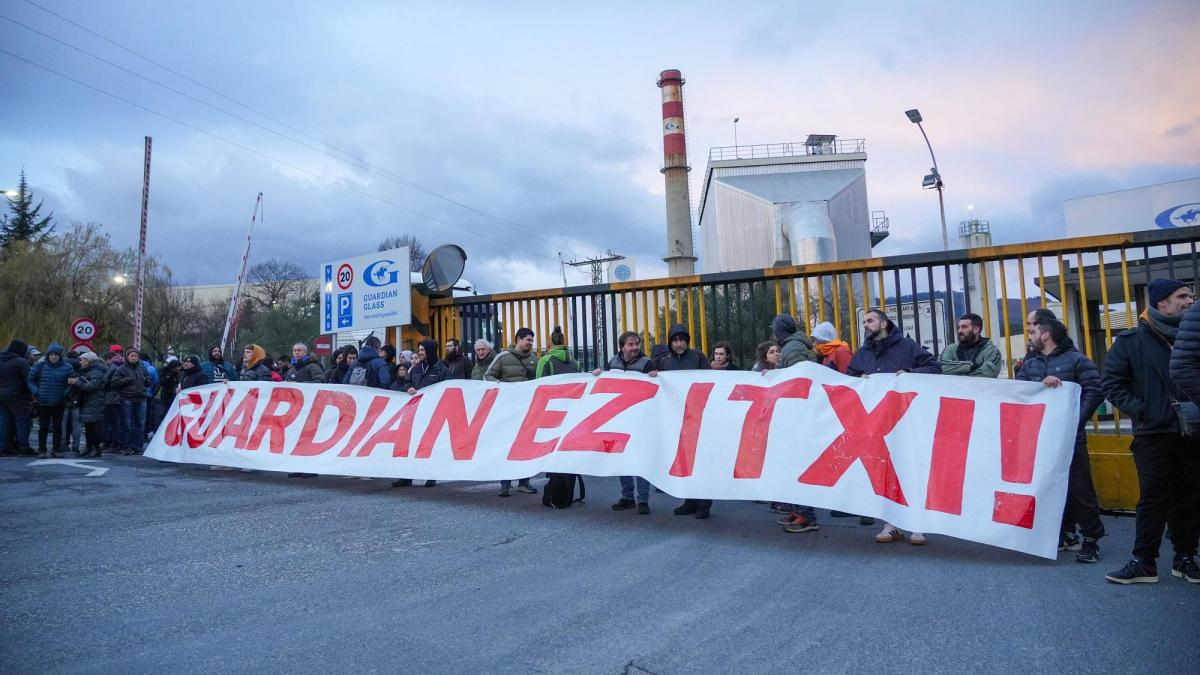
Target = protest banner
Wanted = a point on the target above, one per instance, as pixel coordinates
(984, 460)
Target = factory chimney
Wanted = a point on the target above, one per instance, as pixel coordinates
(680, 259)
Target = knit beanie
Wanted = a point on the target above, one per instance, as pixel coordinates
(1161, 289)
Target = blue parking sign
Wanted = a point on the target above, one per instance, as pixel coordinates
(345, 307)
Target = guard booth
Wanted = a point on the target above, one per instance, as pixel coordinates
(1095, 284)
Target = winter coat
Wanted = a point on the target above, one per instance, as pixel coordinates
(14, 378)
(640, 364)
(690, 359)
(379, 372)
(557, 361)
(1068, 365)
(796, 348)
(892, 354)
(336, 374)
(1133, 380)
(89, 392)
(482, 366)
(422, 374)
(258, 373)
(458, 368)
(128, 381)
(152, 387)
(986, 361)
(193, 378)
(169, 383)
(401, 383)
(48, 381)
(218, 372)
(1185, 356)
(512, 366)
(305, 370)
(112, 396)
(839, 359)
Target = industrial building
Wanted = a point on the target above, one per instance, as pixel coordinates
(1163, 206)
(787, 204)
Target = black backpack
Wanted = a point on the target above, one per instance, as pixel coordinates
(559, 492)
(557, 367)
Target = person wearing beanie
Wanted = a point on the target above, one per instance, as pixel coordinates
(48, 383)
(192, 375)
(1166, 436)
(834, 353)
(88, 388)
(130, 381)
(794, 345)
(15, 422)
(427, 371)
(254, 367)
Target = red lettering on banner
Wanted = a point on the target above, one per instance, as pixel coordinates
(524, 446)
(239, 423)
(948, 465)
(195, 435)
(585, 437)
(272, 423)
(689, 429)
(862, 441)
(451, 411)
(306, 445)
(752, 450)
(397, 431)
(173, 434)
(374, 410)
(1020, 425)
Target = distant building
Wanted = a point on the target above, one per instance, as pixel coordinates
(787, 203)
(1163, 206)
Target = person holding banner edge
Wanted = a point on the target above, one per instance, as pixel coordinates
(631, 359)
(682, 357)
(427, 370)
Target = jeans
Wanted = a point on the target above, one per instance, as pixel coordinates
(50, 418)
(507, 484)
(74, 428)
(1168, 469)
(133, 421)
(1082, 506)
(14, 413)
(643, 488)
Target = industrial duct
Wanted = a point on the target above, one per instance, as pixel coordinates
(806, 234)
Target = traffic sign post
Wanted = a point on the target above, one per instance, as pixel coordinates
(323, 345)
(84, 330)
(80, 346)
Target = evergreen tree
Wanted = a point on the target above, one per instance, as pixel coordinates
(24, 222)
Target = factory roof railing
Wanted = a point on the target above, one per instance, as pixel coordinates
(797, 149)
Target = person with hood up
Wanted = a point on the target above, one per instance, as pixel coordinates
(1166, 436)
(833, 352)
(129, 380)
(794, 346)
(1053, 363)
(304, 368)
(886, 350)
(485, 353)
(48, 383)
(557, 361)
(369, 369)
(631, 359)
(681, 356)
(515, 364)
(254, 367)
(458, 366)
(400, 381)
(88, 385)
(973, 355)
(427, 371)
(216, 369)
(15, 400)
(193, 375)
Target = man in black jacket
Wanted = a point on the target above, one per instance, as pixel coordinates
(458, 366)
(682, 357)
(1053, 361)
(1185, 356)
(1168, 462)
(304, 368)
(15, 400)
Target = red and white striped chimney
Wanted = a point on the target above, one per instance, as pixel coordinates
(680, 258)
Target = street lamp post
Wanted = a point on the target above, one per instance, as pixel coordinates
(934, 179)
(735, 143)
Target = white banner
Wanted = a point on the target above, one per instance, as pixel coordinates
(984, 460)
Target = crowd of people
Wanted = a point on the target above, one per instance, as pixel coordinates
(1152, 375)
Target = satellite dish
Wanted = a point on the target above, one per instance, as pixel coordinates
(443, 268)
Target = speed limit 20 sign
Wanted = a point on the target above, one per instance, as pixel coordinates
(84, 330)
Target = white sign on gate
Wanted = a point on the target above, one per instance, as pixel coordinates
(919, 319)
(369, 291)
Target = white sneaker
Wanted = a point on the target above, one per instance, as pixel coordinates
(890, 533)
(916, 539)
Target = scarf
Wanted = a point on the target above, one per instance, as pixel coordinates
(1166, 326)
(827, 349)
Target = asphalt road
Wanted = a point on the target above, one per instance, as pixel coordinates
(155, 567)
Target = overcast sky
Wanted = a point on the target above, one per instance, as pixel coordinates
(545, 120)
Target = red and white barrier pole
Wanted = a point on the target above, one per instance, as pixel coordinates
(141, 269)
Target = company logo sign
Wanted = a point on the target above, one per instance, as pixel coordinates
(379, 273)
(1184, 215)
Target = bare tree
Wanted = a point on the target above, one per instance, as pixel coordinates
(277, 281)
(416, 250)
